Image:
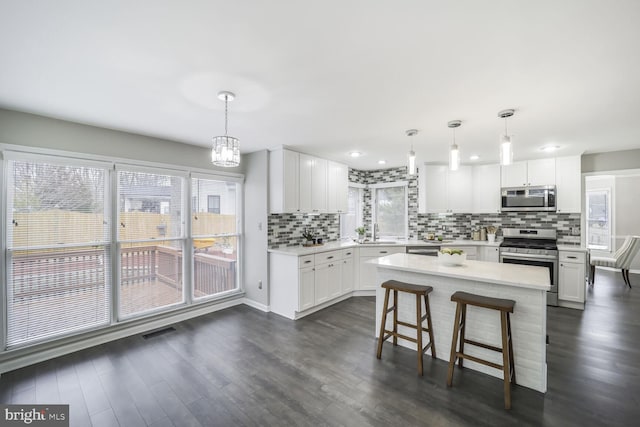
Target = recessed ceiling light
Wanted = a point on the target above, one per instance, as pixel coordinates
(550, 148)
(474, 157)
(355, 154)
(382, 162)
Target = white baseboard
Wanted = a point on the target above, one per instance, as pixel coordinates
(256, 305)
(365, 293)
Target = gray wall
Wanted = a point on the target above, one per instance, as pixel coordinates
(614, 160)
(43, 132)
(627, 206)
(255, 226)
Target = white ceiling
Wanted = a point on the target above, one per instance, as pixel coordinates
(328, 77)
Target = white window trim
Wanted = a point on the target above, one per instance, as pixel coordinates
(612, 243)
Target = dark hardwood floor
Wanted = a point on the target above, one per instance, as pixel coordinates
(243, 367)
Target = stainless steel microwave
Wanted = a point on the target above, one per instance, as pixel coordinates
(533, 198)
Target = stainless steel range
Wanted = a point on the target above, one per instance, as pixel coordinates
(537, 247)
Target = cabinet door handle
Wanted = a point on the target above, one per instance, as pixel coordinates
(572, 257)
(348, 253)
(330, 257)
(561, 265)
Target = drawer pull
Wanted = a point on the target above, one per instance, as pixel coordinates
(572, 257)
(383, 252)
(348, 253)
(307, 261)
(330, 257)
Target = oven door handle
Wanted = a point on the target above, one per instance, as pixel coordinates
(530, 256)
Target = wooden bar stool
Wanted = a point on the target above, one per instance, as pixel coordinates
(418, 291)
(505, 306)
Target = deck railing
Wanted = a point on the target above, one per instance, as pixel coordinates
(54, 273)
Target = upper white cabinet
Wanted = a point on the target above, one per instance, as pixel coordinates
(284, 183)
(337, 187)
(486, 188)
(302, 183)
(441, 190)
(569, 184)
(529, 173)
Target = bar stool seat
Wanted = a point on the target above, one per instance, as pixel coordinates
(505, 307)
(418, 291)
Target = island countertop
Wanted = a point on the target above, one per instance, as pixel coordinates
(522, 276)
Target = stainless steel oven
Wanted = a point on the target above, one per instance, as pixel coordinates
(547, 261)
(533, 247)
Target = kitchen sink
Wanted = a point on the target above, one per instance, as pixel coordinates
(380, 242)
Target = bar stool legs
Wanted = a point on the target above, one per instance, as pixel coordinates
(418, 291)
(508, 366)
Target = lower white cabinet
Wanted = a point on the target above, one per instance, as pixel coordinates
(368, 272)
(490, 253)
(571, 279)
(348, 271)
(471, 251)
(306, 296)
(300, 283)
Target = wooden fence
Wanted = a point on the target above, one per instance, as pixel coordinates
(53, 227)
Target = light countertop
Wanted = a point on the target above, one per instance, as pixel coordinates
(331, 246)
(523, 276)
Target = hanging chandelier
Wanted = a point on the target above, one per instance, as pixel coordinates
(506, 150)
(225, 151)
(454, 152)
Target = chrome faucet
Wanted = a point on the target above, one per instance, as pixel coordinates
(375, 232)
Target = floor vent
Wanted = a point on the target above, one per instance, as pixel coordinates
(158, 332)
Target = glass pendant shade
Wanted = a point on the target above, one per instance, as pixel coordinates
(225, 151)
(412, 163)
(454, 157)
(506, 151)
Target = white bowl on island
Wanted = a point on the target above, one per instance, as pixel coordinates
(452, 257)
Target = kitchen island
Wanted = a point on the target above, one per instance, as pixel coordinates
(526, 285)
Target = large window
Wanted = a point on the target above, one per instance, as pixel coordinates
(215, 237)
(88, 244)
(599, 219)
(58, 248)
(390, 209)
(353, 218)
(150, 241)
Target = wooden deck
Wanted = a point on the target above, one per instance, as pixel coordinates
(63, 291)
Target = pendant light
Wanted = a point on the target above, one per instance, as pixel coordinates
(454, 152)
(411, 169)
(225, 151)
(506, 150)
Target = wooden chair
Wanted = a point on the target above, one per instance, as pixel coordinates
(621, 259)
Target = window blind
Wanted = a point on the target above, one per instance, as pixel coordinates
(57, 250)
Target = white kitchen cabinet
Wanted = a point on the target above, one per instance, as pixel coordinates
(321, 283)
(337, 187)
(348, 274)
(307, 288)
(571, 279)
(529, 173)
(485, 188)
(490, 253)
(569, 184)
(441, 190)
(368, 272)
(313, 184)
(284, 181)
(334, 279)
